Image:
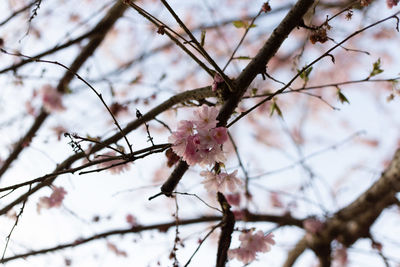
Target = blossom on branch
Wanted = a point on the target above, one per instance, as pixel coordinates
(217, 80)
(55, 200)
(222, 182)
(251, 244)
(198, 141)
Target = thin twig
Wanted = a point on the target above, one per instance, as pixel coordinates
(83, 80)
(201, 243)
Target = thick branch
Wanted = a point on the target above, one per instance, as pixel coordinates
(255, 67)
(227, 225)
(355, 220)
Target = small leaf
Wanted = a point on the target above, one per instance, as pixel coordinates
(253, 91)
(239, 24)
(163, 76)
(342, 97)
(135, 80)
(275, 107)
(304, 74)
(376, 68)
(203, 37)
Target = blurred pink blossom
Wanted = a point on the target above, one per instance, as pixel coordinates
(222, 182)
(233, 199)
(392, 3)
(131, 220)
(51, 98)
(250, 245)
(55, 200)
(217, 80)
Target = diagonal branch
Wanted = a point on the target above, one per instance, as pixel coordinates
(255, 67)
(195, 94)
(355, 220)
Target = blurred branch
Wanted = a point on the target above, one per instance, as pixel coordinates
(106, 24)
(162, 227)
(355, 220)
(18, 11)
(326, 54)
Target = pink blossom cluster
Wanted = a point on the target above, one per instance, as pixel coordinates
(251, 244)
(199, 141)
(392, 3)
(55, 200)
(222, 182)
(51, 98)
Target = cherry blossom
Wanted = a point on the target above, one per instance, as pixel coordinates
(219, 134)
(131, 220)
(55, 200)
(217, 80)
(205, 118)
(392, 3)
(198, 141)
(211, 183)
(229, 182)
(222, 182)
(233, 199)
(51, 98)
(251, 244)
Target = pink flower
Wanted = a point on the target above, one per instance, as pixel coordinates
(275, 200)
(191, 155)
(178, 138)
(220, 135)
(222, 182)
(217, 80)
(198, 141)
(206, 118)
(244, 255)
(131, 220)
(251, 245)
(211, 183)
(233, 199)
(229, 182)
(51, 98)
(392, 3)
(340, 257)
(55, 200)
